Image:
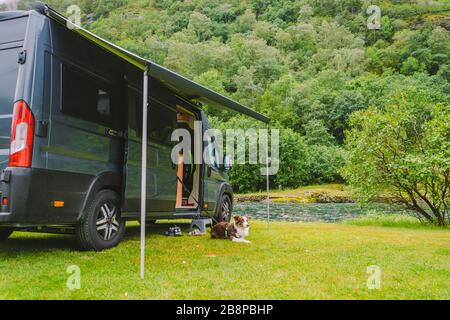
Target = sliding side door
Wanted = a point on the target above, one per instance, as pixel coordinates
(161, 173)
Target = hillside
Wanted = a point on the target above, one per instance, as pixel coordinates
(308, 64)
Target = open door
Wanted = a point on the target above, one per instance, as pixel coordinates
(188, 173)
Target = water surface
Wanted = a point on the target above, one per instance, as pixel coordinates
(325, 212)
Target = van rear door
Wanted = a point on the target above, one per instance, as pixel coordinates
(12, 34)
(8, 79)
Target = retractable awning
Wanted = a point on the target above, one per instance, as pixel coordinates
(176, 82)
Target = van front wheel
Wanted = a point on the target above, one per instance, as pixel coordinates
(101, 226)
(5, 233)
(224, 209)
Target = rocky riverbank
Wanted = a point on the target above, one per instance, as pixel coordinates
(334, 193)
(314, 197)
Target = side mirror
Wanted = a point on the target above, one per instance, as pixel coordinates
(227, 163)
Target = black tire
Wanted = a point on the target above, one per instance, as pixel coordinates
(224, 209)
(101, 226)
(5, 233)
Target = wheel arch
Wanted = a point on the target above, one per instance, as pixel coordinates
(103, 181)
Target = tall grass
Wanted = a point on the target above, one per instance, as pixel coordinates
(378, 219)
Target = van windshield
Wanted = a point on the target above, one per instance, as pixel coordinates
(8, 79)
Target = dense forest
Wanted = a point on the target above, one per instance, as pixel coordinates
(308, 64)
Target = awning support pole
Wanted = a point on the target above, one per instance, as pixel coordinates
(267, 179)
(144, 170)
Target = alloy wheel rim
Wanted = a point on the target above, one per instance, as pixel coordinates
(107, 222)
(225, 210)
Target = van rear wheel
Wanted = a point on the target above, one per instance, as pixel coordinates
(5, 233)
(101, 226)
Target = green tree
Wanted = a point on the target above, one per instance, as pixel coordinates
(245, 22)
(278, 101)
(411, 66)
(201, 25)
(439, 44)
(317, 134)
(293, 165)
(404, 148)
(324, 163)
(305, 14)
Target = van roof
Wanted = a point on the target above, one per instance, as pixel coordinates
(176, 82)
(7, 15)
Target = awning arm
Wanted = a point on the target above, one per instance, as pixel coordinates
(144, 170)
(267, 179)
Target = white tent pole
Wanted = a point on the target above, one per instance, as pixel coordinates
(144, 170)
(267, 179)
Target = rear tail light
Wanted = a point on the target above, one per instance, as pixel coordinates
(22, 136)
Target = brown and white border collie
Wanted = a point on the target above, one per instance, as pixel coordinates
(235, 232)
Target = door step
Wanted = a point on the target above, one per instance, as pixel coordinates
(201, 224)
(187, 213)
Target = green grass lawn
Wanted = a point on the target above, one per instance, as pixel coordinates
(291, 261)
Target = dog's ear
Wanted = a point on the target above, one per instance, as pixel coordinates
(236, 218)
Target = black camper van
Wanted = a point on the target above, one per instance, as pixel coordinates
(71, 135)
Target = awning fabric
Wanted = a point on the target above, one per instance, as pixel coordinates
(181, 85)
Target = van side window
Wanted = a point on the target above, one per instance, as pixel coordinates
(161, 122)
(214, 153)
(214, 149)
(85, 97)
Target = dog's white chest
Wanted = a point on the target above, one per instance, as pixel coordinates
(242, 232)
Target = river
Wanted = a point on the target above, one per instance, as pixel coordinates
(324, 212)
